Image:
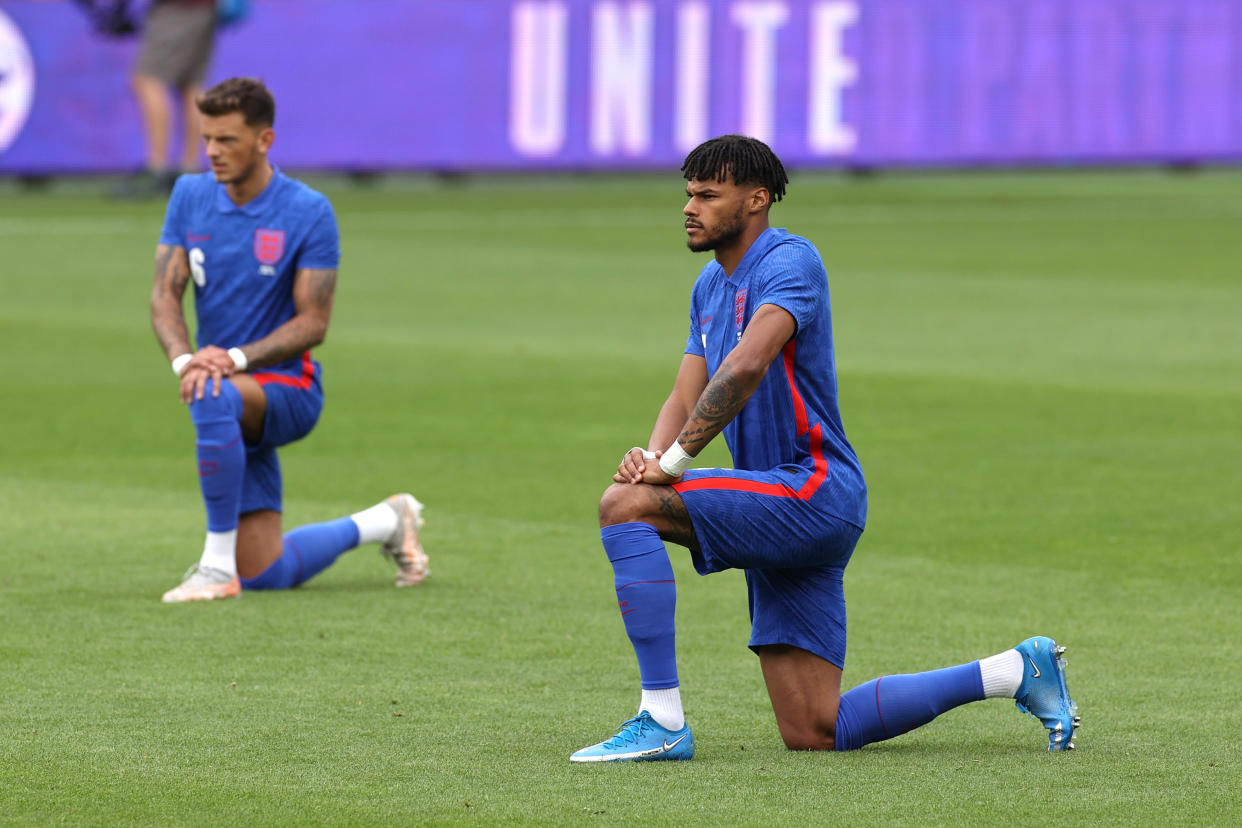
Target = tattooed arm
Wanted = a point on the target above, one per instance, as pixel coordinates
(172, 274)
(738, 376)
(732, 384)
(313, 291)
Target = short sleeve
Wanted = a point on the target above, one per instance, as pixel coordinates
(323, 244)
(173, 231)
(794, 279)
(695, 346)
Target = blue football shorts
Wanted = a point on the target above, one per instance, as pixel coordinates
(293, 408)
(791, 546)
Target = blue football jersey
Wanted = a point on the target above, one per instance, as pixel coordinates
(243, 259)
(793, 417)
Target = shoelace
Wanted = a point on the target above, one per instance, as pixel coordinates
(195, 576)
(629, 732)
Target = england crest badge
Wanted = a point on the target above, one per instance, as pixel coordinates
(269, 246)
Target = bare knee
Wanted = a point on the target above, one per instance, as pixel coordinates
(805, 691)
(808, 735)
(619, 504)
(259, 542)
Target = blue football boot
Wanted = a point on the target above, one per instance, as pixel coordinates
(641, 739)
(1043, 693)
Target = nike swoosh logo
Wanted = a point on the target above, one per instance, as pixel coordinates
(668, 747)
(1033, 667)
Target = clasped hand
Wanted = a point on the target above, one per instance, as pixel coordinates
(212, 363)
(635, 468)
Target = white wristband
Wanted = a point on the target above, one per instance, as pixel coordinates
(179, 362)
(239, 359)
(674, 460)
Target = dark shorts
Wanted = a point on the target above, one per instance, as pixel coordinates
(792, 548)
(177, 39)
(292, 412)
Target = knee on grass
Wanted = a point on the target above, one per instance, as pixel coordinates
(807, 735)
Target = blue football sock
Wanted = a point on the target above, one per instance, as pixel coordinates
(892, 705)
(647, 595)
(308, 550)
(221, 454)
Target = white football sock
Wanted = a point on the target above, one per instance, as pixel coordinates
(375, 525)
(220, 551)
(665, 707)
(1002, 674)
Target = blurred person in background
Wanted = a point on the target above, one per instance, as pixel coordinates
(177, 40)
(112, 18)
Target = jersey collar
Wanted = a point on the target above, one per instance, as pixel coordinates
(758, 249)
(255, 206)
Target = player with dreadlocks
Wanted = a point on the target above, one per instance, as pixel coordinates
(759, 367)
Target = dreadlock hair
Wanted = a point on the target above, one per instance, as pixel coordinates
(245, 95)
(748, 159)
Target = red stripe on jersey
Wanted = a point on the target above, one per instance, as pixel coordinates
(303, 382)
(734, 484)
(799, 406)
(812, 484)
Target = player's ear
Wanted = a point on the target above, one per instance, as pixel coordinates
(760, 199)
(267, 137)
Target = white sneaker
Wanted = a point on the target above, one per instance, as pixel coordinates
(203, 583)
(404, 547)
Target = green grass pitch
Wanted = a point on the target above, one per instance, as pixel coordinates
(1042, 374)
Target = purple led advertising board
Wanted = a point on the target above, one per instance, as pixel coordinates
(548, 84)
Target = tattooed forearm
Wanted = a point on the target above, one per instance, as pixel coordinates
(733, 383)
(313, 291)
(722, 399)
(287, 342)
(319, 289)
(172, 273)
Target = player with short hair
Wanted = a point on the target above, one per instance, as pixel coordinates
(759, 366)
(262, 250)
